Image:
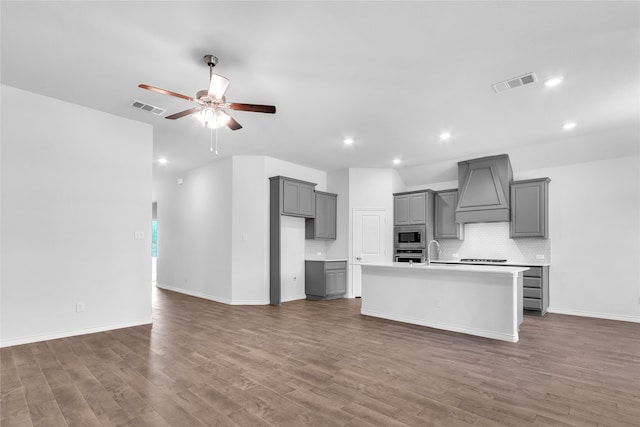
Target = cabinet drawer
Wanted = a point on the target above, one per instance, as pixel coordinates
(532, 282)
(335, 265)
(532, 304)
(532, 292)
(533, 272)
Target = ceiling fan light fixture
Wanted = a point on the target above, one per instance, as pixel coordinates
(222, 118)
(212, 118)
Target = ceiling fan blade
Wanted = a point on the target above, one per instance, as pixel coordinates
(233, 125)
(183, 113)
(253, 107)
(217, 86)
(165, 92)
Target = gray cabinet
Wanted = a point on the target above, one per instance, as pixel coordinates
(325, 279)
(445, 225)
(535, 290)
(412, 208)
(323, 226)
(298, 198)
(530, 208)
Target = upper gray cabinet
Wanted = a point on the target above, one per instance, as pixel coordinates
(412, 208)
(484, 189)
(298, 198)
(323, 226)
(445, 225)
(530, 208)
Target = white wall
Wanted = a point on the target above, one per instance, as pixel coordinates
(370, 188)
(194, 232)
(373, 188)
(76, 184)
(594, 227)
(249, 237)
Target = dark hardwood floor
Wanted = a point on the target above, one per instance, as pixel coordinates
(322, 364)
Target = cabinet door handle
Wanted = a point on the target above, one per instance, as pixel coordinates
(358, 258)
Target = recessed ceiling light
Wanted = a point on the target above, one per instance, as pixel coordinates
(445, 136)
(554, 81)
(569, 125)
(396, 161)
(348, 141)
(163, 161)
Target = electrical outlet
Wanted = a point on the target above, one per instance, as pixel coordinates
(540, 256)
(79, 307)
(138, 235)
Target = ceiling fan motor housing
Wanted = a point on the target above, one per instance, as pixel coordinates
(210, 60)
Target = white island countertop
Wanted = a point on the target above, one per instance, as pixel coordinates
(482, 300)
(449, 266)
(538, 263)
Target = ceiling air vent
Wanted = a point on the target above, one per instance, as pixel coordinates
(149, 108)
(514, 82)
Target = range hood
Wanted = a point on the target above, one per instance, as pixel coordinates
(484, 190)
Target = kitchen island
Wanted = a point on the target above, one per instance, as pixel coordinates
(474, 299)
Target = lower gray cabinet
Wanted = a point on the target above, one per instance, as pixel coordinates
(325, 279)
(535, 290)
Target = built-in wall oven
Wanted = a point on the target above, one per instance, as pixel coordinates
(410, 237)
(409, 255)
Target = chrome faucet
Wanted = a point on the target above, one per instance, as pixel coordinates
(429, 250)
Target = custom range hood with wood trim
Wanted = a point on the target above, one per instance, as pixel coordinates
(484, 189)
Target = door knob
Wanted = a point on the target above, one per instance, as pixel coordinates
(359, 258)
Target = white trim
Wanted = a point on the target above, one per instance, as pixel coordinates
(211, 297)
(293, 298)
(581, 313)
(72, 333)
(444, 326)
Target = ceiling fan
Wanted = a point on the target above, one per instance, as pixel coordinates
(212, 103)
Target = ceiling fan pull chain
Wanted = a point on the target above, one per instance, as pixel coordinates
(211, 144)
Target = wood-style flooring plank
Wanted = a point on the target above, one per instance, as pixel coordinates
(321, 363)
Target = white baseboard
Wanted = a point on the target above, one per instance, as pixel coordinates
(294, 298)
(597, 315)
(211, 297)
(72, 333)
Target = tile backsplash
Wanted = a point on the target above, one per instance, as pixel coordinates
(491, 240)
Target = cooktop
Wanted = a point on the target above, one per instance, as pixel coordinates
(481, 260)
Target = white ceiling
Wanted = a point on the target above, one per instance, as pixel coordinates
(392, 75)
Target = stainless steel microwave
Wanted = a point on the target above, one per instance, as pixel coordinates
(410, 237)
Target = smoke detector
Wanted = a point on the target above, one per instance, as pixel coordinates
(148, 108)
(515, 82)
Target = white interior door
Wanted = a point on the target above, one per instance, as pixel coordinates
(369, 230)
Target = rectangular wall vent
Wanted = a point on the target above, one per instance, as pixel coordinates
(149, 108)
(514, 82)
